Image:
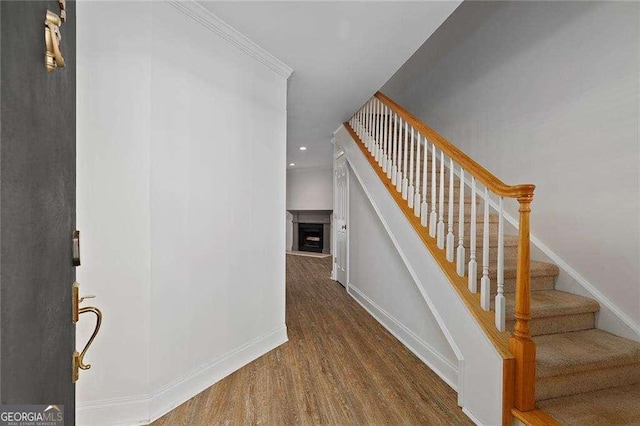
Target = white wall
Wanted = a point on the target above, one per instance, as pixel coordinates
(310, 189)
(113, 166)
(547, 93)
(380, 281)
(166, 108)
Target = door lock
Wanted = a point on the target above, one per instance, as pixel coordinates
(78, 358)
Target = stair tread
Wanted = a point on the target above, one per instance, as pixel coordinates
(551, 303)
(538, 269)
(618, 405)
(580, 351)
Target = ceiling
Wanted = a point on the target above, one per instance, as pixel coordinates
(341, 53)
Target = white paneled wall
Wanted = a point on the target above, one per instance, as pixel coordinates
(164, 214)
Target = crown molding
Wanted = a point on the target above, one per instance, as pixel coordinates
(204, 17)
(310, 168)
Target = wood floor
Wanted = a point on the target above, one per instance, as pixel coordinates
(340, 367)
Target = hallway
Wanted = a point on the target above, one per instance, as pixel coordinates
(339, 367)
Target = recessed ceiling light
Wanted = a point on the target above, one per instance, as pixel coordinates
(303, 148)
(292, 164)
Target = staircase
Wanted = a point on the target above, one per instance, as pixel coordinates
(582, 375)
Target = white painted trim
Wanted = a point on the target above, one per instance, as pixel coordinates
(441, 366)
(461, 383)
(472, 417)
(132, 410)
(582, 281)
(203, 16)
(183, 388)
(140, 410)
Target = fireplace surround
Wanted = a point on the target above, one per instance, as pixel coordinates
(311, 230)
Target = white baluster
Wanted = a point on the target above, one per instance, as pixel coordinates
(399, 161)
(485, 282)
(440, 239)
(473, 265)
(394, 141)
(367, 136)
(460, 254)
(390, 145)
(410, 189)
(424, 207)
(371, 125)
(405, 181)
(376, 145)
(364, 120)
(387, 135)
(433, 218)
(383, 155)
(372, 121)
(417, 201)
(375, 131)
(500, 302)
(450, 238)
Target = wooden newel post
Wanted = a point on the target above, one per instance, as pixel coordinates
(521, 344)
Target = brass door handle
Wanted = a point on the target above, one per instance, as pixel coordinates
(98, 314)
(53, 57)
(78, 358)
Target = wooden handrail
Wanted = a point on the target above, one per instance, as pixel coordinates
(494, 184)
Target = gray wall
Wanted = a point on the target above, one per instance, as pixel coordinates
(547, 93)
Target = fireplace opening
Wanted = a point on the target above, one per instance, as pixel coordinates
(310, 237)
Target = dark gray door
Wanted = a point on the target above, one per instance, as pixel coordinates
(37, 208)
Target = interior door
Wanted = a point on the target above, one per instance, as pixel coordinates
(341, 219)
(37, 204)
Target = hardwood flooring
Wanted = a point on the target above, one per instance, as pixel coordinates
(340, 367)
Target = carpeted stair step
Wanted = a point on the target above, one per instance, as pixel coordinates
(543, 275)
(584, 361)
(613, 406)
(510, 247)
(555, 311)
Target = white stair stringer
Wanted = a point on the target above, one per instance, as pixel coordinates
(480, 381)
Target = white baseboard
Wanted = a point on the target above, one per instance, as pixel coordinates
(442, 367)
(472, 417)
(144, 409)
(117, 411)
